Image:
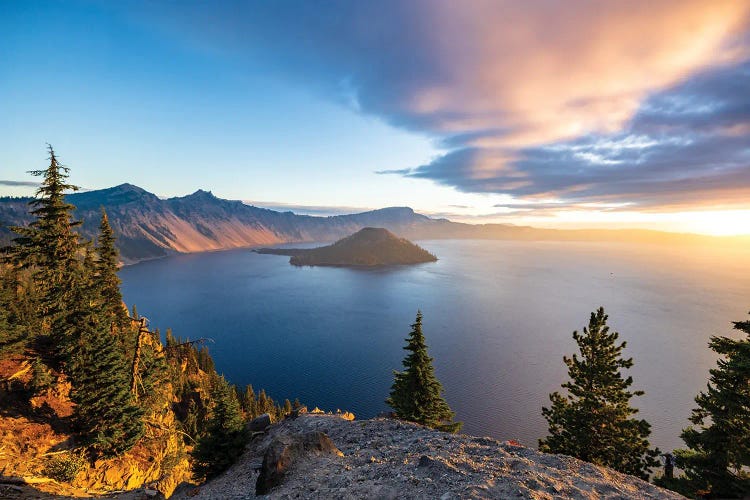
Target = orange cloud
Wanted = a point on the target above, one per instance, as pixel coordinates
(641, 102)
(549, 71)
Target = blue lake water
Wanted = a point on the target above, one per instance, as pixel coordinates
(498, 317)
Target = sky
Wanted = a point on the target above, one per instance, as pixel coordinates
(552, 114)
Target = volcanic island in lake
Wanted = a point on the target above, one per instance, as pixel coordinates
(368, 247)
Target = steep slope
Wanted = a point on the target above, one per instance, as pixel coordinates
(368, 247)
(388, 459)
(37, 441)
(148, 227)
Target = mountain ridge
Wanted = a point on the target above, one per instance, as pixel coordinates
(149, 227)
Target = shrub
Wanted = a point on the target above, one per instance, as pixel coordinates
(65, 468)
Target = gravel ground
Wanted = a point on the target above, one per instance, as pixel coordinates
(385, 458)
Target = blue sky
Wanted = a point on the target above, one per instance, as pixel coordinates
(122, 103)
(480, 111)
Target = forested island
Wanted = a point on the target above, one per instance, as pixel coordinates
(368, 247)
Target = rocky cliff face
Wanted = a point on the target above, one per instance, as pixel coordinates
(148, 227)
(36, 440)
(384, 458)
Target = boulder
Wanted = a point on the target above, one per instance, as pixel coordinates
(260, 423)
(319, 442)
(297, 412)
(284, 451)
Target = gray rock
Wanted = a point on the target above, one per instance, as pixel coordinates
(283, 452)
(454, 466)
(297, 412)
(260, 423)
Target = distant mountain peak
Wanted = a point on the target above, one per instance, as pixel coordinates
(122, 193)
(126, 186)
(201, 195)
(400, 210)
(374, 233)
(123, 188)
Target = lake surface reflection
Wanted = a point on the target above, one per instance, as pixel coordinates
(498, 317)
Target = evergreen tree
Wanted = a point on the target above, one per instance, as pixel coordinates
(205, 361)
(718, 457)
(249, 403)
(593, 421)
(106, 269)
(104, 415)
(226, 437)
(263, 402)
(18, 319)
(49, 245)
(169, 338)
(416, 392)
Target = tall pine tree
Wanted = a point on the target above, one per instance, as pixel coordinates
(106, 268)
(416, 393)
(18, 317)
(593, 421)
(226, 437)
(49, 245)
(105, 415)
(718, 457)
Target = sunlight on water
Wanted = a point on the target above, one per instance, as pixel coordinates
(498, 319)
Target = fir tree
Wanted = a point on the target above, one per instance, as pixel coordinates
(226, 437)
(718, 457)
(106, 269)
(105, 416)
(263, 403)
(18, 317)
(593, 421)
(49, 245)
(205, 361)
(249, 403)
(416, 394)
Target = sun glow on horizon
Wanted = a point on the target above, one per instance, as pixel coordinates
(705, 222)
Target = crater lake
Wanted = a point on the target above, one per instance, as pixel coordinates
(498, 318)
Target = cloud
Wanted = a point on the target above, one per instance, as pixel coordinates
(641, 102)
(395, 171)
(19, 183)
(688, 145)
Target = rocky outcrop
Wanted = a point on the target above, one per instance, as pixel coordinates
(259, 423)
(286, 449)
(387, 458)
(36, 438)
